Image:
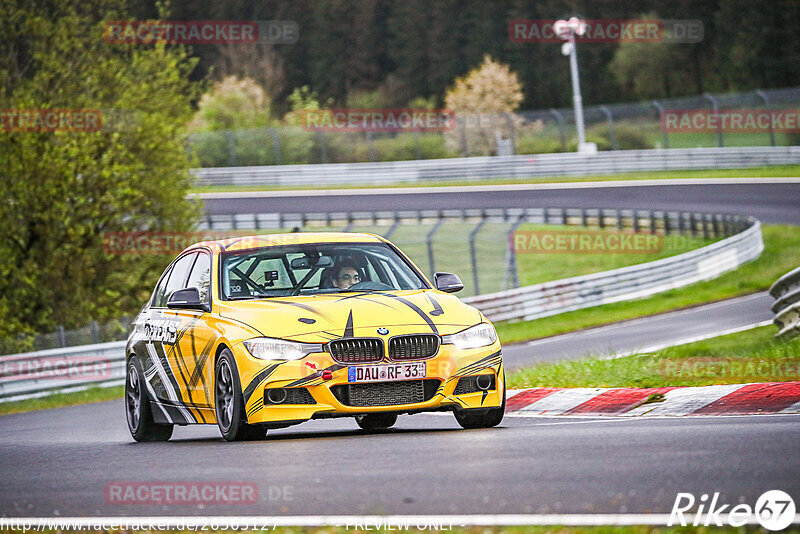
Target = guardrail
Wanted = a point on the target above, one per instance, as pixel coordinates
(627, 283)
(43, 372)
(496, 167)
(786, 292)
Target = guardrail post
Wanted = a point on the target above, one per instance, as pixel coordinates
(584, 219)
(765, 98)
(715, 107)
(601, 219)
(429, 242)
(660, 111)
(473, 256)
(612, 137)
(562, 131)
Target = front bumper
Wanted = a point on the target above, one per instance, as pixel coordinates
(326, 382)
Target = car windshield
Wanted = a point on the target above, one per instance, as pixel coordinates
(312, 269)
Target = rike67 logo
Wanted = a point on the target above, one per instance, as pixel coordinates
(774, 510)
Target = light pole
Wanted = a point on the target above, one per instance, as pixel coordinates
(567, 30)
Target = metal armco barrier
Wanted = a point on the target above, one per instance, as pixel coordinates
(39, 373)
(786, 292)
(48, 371)
(508, 167)
(627, 283)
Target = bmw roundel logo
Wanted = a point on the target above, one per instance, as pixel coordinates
(383, 331)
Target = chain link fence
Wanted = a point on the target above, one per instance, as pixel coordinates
(628, 126)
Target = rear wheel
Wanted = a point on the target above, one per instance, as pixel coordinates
(229, 402)
(376, 421)
(482, 418)
(137, 408)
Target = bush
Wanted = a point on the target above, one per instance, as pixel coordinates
(211, 149)
(537, 145)
(629, 136)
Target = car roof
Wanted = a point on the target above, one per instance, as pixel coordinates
(289, 238)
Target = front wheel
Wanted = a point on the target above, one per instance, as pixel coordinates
(137, 408)
(229, 402)
(376, 421)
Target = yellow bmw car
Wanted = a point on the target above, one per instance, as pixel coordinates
(269, 331)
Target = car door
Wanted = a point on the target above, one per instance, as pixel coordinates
(195, 341)
(162, 330)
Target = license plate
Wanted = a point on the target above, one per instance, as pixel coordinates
(385, 373)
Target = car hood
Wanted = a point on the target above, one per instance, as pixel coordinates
(320, 318)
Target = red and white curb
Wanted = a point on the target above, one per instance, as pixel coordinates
(733, 399)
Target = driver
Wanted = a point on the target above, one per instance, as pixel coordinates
(345, 274)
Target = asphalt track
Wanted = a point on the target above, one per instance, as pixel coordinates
(771, 202)
(59, 462)
(647, 333)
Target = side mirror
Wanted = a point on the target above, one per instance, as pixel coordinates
(447, 282)
(187, 299)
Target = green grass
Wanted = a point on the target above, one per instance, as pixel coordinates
(59, 400)
(777, 171)
(781, 253)
(750, 356)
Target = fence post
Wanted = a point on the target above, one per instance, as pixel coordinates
(512, 270)
(417, 148)
(473, 254)
(561, 128)
(371, 147)
(463, 131)
(276, 145)
(323, 148)
(231, 148)
(60, 335)
(429, 242)
(765, 98)
(511, 132)
(664, 134)
(612, 137)
(94, 331)
(715, 107)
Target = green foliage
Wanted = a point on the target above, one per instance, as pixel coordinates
(64, 191)
(232, 104)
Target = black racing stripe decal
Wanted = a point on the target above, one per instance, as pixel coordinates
(305, 307)
(260, 377)
(255, 408)
(161, 354)
(437, 309)
(483, 363)
(419, 312)
(177, 353)
(348, 329)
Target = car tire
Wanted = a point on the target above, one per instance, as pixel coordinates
(229, 402)
(376, 421)
(138, 412)
(482, 418)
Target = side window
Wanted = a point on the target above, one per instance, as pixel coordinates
(158, 295)
(180, 270)
(200, 276)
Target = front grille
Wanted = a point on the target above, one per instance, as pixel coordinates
(469, 384)
(386, 393)
(413, 347)
(356, 350)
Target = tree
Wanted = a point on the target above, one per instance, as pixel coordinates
(63, 192)
(484, 101)
(232, 104)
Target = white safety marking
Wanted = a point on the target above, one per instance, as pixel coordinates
(683, 401)
(562, 401)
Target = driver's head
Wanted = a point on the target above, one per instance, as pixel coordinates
(345, 275)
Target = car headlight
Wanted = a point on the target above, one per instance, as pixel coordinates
(268, 348)
(480, 335)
